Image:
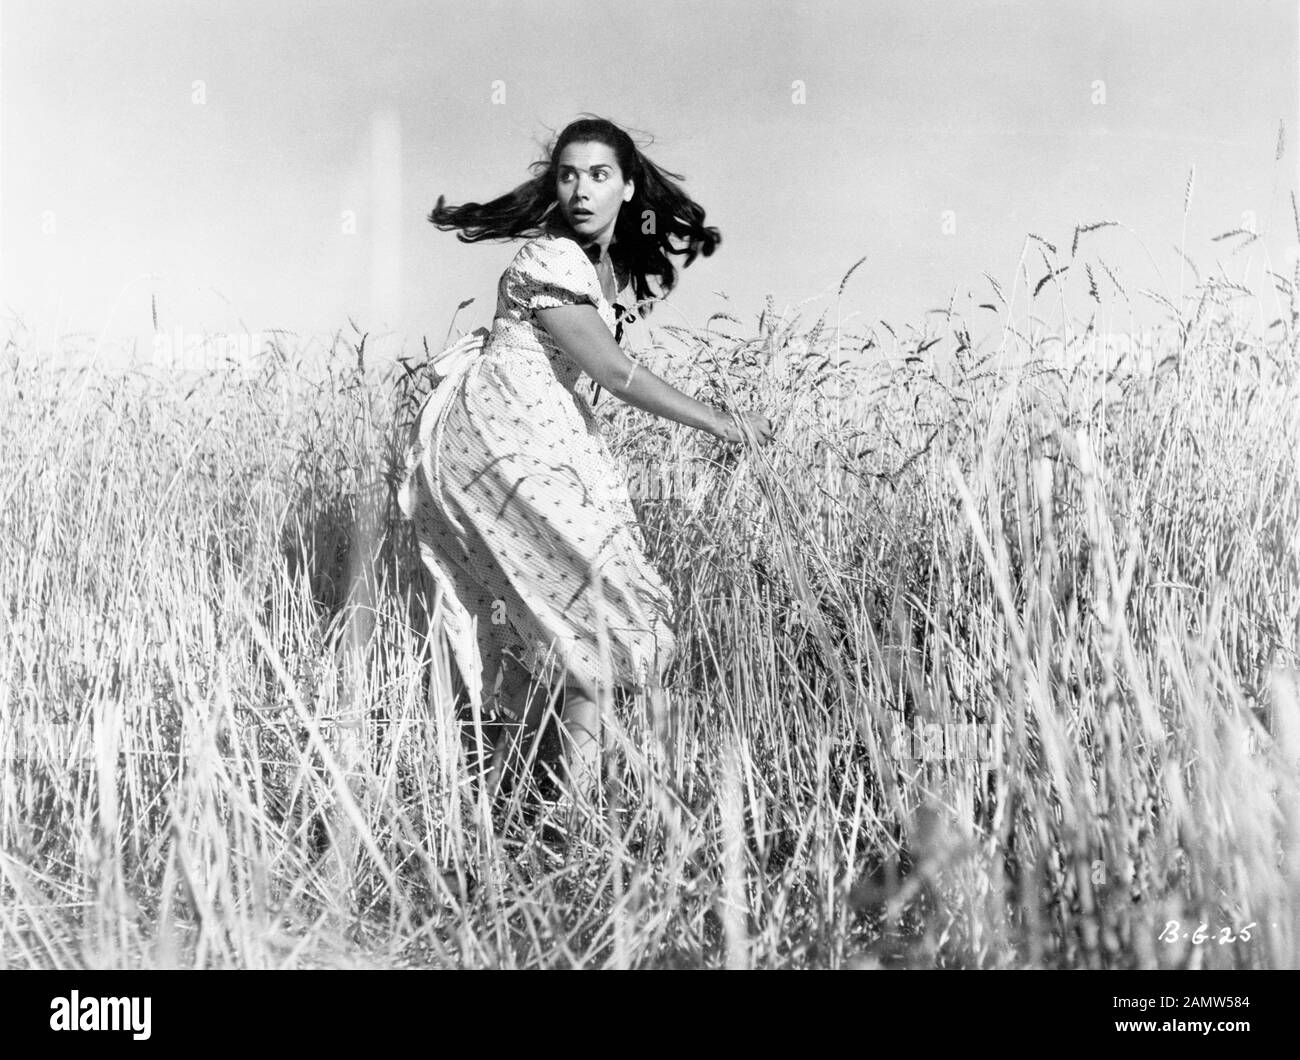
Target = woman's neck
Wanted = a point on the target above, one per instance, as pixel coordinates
(597, 248)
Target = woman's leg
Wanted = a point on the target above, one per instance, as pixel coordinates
(581, 734)
(582, 743)
(523, 708)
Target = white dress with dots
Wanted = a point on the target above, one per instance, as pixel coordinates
(518, 503)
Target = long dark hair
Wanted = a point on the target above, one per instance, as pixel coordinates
(659, 220)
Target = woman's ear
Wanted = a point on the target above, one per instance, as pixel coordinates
(629, 189)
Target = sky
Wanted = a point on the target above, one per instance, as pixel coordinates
(233, 165)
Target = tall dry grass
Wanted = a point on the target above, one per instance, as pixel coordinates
(988, 660)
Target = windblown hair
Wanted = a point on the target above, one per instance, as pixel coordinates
(659, 220)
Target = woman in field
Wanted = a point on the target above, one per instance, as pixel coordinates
(522, 516)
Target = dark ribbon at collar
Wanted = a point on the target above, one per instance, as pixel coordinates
(622, 315)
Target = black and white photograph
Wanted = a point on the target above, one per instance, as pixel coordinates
(738, 486)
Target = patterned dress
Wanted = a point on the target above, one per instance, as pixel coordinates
(520, 509)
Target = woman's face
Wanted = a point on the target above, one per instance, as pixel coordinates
(590, 189)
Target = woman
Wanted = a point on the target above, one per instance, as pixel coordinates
(521, 514)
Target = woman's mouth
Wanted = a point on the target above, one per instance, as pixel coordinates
(580, 215)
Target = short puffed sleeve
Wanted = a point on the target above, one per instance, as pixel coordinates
(551, 272)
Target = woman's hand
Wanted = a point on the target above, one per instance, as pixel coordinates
(727, 426)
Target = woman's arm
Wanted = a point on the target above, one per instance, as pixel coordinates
(580, 333)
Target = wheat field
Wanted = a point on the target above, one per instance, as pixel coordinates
(988, 659)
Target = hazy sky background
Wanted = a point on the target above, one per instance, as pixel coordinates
(111, 173)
